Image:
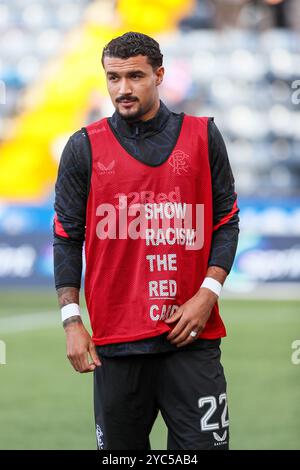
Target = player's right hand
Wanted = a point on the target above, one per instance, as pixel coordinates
(79, 347)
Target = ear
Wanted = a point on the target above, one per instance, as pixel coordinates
(159, 75)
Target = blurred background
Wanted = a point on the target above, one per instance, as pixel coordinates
(236, 60)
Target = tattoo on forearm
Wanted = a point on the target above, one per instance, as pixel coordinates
(217, 273)
(75, 319)
(67, 295)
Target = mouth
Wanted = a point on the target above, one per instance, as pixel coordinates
(127, 103)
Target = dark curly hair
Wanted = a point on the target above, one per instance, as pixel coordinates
(132, 44)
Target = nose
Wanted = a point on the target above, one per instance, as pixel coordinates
(125, 88)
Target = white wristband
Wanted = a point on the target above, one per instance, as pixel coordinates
(69, 310)
(213, 285)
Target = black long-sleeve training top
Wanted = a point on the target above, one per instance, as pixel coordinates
(149, 141)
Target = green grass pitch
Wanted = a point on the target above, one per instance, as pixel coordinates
(44, 404)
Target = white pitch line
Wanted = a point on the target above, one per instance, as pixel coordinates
(29, 322)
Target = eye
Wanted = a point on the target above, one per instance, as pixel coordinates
(112, 78)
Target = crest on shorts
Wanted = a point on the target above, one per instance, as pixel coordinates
(220, 438)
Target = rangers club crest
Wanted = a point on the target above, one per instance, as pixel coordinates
(180, 162)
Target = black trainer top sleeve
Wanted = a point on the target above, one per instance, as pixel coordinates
(150, 141)
(225, 210)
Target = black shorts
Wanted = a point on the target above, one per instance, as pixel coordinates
(187, 387)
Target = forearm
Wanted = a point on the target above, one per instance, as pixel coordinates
(193, 315)
(66, 296)
(224, 245)
(217, 273)
(206, 295)
(78, 340)
(67, 270)
(67, 256)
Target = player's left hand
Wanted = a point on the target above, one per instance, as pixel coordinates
(191, 316)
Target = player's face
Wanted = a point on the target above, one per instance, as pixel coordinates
(132, 86)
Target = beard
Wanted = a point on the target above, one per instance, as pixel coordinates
(132, 116)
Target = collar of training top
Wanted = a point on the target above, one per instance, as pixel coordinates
(140, 129)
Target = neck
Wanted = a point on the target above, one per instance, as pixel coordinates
(152, 112)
